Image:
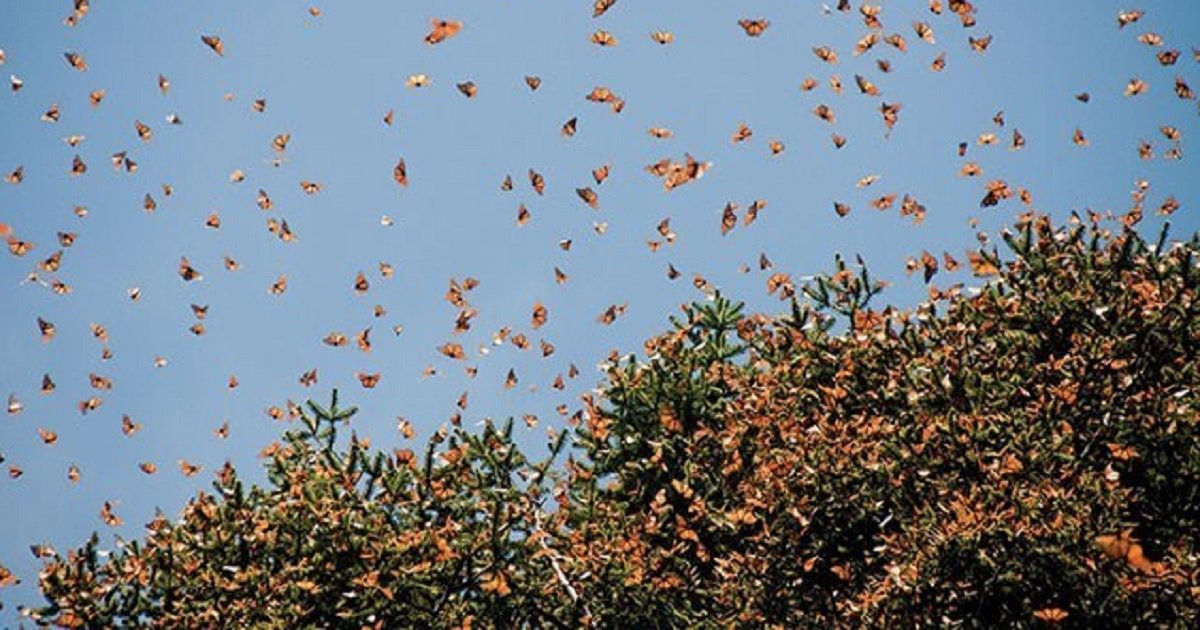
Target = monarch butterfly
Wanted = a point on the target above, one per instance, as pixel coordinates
(523, 215)
(533, 82)
(865, 86)
(400, 173)
(214, 42)
(1135, 87)
(1151, 39)
(925, 32)
(537, 182)
(728, 218)
(1125, 18)
(601, 6)
(603, 38)
(442, 30)
(368, 381)
(826, 54)
(189, 469)
(980, 45)
(867, 42)
(589, 197)
(997, 190)
(453, 350)
(824, 112)
(109, 518)
(308, 378)
(75, 60)
(754, 28)
(187, 272)
(742, 134)
(1183, 90)
(752, 212)
(662, 37)
(467, 88)
(128, 426)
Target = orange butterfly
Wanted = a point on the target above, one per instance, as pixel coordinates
(442, 30)
(214, 42)
(754, 28)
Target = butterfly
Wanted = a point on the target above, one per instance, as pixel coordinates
(400, 173)
(368, 381)
(589, 197)
(75, 60)
(214, 42)
(600, 7)
(603, 38)
(187, 272)
(826, 54)
(442, 30)
(540, 313)
(662, 37)
(189, 469)
(537, 182)
(981, 44)
(467, 88)
(1125, 18)
(865, 86)
(754, 28)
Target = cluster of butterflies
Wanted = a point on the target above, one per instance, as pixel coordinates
(673, 172)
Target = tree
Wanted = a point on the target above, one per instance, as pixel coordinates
(1021, 454)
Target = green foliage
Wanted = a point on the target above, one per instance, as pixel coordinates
(1020, 454)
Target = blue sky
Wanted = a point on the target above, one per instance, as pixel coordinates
(329, 80)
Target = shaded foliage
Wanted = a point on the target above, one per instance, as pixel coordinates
(1021, 454)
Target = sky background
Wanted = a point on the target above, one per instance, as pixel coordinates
(329, 80)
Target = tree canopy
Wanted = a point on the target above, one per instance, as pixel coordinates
(1021, 453)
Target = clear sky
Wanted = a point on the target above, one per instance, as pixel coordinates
(328, 81)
